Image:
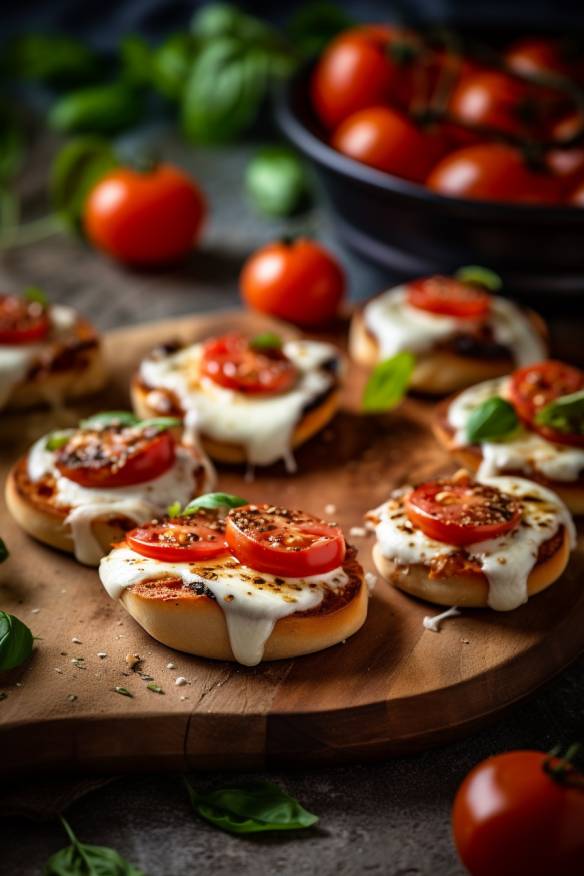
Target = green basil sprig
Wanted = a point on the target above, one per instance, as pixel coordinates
(276, 181)
(266, 341)
(77, 168)
(479, 276)
(99, 109)
(4, 553)
(255, 808)
(56, 440)
(170, 64)
(126, 418)
(388, 383)
(213, 501)
(81, 859)
(16, 641)
(494, 419)
(565, 414)
(37, 295)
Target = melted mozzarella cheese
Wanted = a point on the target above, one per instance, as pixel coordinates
(524, 451)
(251, 601)
(16, 360)
(506, 561)
(139, 502)
(264, 426)
(399, 327)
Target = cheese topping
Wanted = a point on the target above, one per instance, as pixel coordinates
(399, 327)
(506, 561)
(251, 601)
(16, 360)
(139, 502)
(524, 451)
(264, 426)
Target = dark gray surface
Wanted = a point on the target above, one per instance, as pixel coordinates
(390, 818)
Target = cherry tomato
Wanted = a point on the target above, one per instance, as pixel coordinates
(536, 56)
(147, 218)
(115, 456)
(362, 67)
(299, 281)
(22, 321)
(384, 138)
(449, 296)
(492, 172)
(462, 512)
(533, 387)
(283, 542)
(490, 99)
(511, 818)
(230, 361)
(188, 539)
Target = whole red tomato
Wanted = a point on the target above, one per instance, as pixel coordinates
(492, 99)
(299, 282)
(386, 139)
(145, 218)
(362, 67)
(492, 172)
(512, 818)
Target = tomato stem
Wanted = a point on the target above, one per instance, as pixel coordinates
(562, 768)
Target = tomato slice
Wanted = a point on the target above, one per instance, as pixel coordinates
(181, 540)
(115, 456)
(289, 543)
(22, 321)
(535, 386)
(231, 362)
(462, 512)
(450, 297)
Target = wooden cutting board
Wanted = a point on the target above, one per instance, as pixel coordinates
(394, 687)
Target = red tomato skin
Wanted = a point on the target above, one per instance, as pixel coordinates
(536, 55)
(138, 540)
(386, 139)
(269, 374)
(17, 310)
(576, 197)
(511, 819)
(146, 465)
(299, 282)
(490, 99)
(492, 172)
(449, 296)
(148, 218)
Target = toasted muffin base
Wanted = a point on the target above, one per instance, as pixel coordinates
(465, 590)
(312, 422)
(68, 384)
(437, 372)
(470, 457)
(197, 624)
(46, 522)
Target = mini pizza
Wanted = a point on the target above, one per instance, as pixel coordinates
(251, 401)
(79, 490)
(261, 583)
(458, 332)
(473, 544)
(530, 423)
(48, 353)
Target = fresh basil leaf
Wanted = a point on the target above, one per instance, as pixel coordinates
(388, 383)
(314, 25)
(79, 165)
(494, 418)
(171, 63)
(266, 341)
(16, 641)
(174, 510)
(52, 59)
(566, 414)
(123, 691)
(137, 60)
(254, 808)
(155, 688)
(99, 109)
(110, 418)
(480, 276)
(12, 144)
(81, 859)
(214, 500)
(216, 20)
(36, 294)
(277, 182)
(4, 553)
(161, 424)
(56, 440)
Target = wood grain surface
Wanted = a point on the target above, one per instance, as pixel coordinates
(394, 687)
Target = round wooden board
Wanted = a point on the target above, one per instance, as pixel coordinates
(394, 687)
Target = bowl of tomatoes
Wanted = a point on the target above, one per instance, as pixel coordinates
(438, 149)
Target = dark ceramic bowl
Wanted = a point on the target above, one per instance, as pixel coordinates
(412, 231)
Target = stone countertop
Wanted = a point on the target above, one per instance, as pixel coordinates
(390, 818)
